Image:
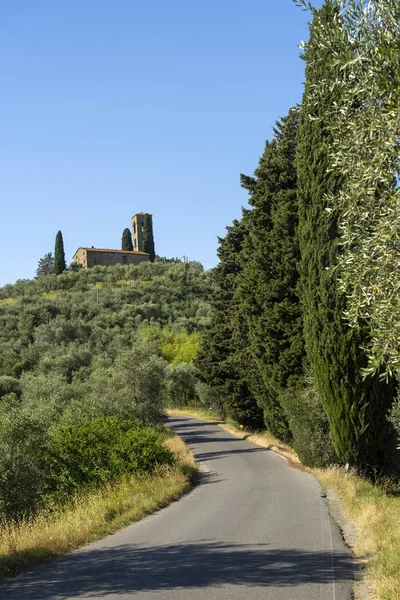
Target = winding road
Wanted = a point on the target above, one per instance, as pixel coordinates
(253, 529)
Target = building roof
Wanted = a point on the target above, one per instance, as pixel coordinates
(91, 249)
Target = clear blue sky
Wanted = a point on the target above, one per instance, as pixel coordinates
(112, 107)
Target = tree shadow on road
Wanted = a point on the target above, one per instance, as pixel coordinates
(183, 422)
(127, 569)
(204, 456)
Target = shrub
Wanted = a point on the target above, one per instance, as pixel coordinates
(180, 383)
(99, 451)
(132, 387)
(207, 395)
(23, 439)
(9, 385)
(309, 425)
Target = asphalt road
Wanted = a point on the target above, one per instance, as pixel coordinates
(253, 529)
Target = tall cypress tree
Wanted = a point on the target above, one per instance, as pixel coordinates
(148, 237)
(222, 360)
(269, 280)
(59, 255)
(355, 408)
(126, 242)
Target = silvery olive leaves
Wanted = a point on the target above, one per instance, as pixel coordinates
(363, 40)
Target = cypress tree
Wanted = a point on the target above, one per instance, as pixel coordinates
(148, 237)
(222, 360)
(355, 408)
(126, 242)
(269, 280)
(59, 255)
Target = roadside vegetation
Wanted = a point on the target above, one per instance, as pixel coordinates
(92, 514)
(375, 515)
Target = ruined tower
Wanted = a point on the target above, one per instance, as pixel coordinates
(142, 234)
(137, 231)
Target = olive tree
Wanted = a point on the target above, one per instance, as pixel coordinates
(365, 128)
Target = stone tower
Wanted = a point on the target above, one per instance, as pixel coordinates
(137, 231)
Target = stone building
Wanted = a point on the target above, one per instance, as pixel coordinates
(90, 257)
(138, 230)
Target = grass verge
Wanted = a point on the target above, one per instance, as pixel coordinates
(376, 517)
(374, 514)
(198, 413)
(93, 515)
(8, 300)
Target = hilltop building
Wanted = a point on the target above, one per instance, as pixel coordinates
(90, 257)
(137, 231)
(142, 234)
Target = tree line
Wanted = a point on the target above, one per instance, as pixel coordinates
(304, 339)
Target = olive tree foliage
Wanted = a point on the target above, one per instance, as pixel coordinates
(180, 383)
(131, 387)
(45, 265)
(365, 126)
(23, 434)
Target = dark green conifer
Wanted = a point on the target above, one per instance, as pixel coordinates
(222, 359)
(45, 265)
(59, 255)
(126, 242)
(355, 408)
(148, 237)
(269, 280)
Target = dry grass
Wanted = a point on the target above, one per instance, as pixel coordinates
(93, 286)
(376, 517)
(266, 440)
(52, 295)
(182, 453)
(118, 283)
(8, 300)
(94, 515)
(374, 514)
(198, 413)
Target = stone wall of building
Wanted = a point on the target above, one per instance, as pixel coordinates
(137, 231)
(90, 257)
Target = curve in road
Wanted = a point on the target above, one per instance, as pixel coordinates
(254, 528)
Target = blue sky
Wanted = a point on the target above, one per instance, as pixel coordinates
(109, 108)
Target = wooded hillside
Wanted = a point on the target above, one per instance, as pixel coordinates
(76, 348)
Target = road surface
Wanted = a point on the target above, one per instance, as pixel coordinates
(254, 529)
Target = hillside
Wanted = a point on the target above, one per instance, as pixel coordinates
(114, 341)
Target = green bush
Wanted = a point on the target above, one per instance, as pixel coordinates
(309, 426)
(9, 385)
(99, 451)
(23, 437)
